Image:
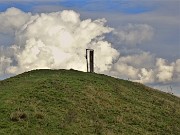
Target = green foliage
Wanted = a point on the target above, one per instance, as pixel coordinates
(54, 102)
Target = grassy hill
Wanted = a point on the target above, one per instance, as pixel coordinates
(54, 102)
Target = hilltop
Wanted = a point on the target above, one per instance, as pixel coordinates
(54, 102)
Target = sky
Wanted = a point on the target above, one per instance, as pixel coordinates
(136, 40)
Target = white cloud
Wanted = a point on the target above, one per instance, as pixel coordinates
(55, 40)
(164, 70)
(134, 34)
(12, 20)
(137, 67)
(4, 63)
(177, 66)
(176, 76)
(146, 68)
(59, 39)
(144, 59)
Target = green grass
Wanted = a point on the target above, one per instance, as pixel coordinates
(55, 102)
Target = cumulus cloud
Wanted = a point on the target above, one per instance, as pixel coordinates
(12, 20)
(165, 71)
(58, 40)
(134, 34)
(4, 63)
(146, 68)
(55, 40)
(137, 67)
(176, 76)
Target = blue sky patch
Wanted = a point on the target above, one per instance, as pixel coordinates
(119, 6)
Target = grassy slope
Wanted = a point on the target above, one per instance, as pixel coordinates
(71, 102)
